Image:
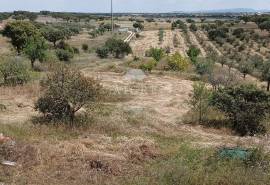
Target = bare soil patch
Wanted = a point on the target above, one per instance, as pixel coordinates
(19, 103)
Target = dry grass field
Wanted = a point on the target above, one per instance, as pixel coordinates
(136, 135)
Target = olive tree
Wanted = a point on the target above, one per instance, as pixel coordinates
(222, 60)
(53, 35)
(199, 100)
(35, 49)
(67, 91)
(19, 32)
(118, 48)
(245, 68)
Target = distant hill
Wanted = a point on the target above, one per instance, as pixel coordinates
(233, 10)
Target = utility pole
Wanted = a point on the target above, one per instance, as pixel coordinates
(112, 16)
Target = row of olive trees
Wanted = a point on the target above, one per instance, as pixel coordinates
(247, 67)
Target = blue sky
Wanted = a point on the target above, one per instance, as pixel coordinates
(130, 5)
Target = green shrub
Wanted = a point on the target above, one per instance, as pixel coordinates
(178, 63)
(93, 34)
(65, 46)
(2, 107)
(246, 107)
(190, 20)
(138, 25)
(156, 53)
(193, 53)
(148, 65)
(64, 55)
(199, 100)
(67, 91)
(14, 73)
(193, 27)
(102, 52)
(76, 50)
(118, 48)
(161, 35)
(85, 47)
(204, 66)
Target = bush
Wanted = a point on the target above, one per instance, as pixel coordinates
(20, 32)
(178, 63)
(138, 25)
(193, 27)
(102, 52)
(118, 47)
(238, 32)
(204, 66)
(76, 50)
(67, 91)
(246, 107)
(64, 55)
(156, 53)
(14, 73)
(85, 47)
(148, 65)
(193, 53)
(190, 21)
(161, 35)
(65, 46)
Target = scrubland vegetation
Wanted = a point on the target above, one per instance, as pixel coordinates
(83, 104)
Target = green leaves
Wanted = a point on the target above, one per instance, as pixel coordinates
(20, 32)
(246, 106)
(178, 63)
(35, 49)
(53, 35)
(67, 91)
(118, 47)
(156, 53)
(14, 73)
(200, 100)
(193, 53)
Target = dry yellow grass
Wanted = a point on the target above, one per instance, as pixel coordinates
(120, 135)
